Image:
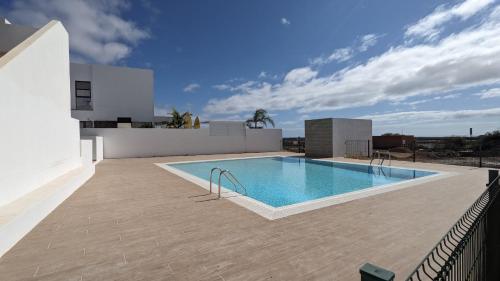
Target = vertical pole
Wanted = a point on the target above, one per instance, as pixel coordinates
(493, 230)
(414, 149)
(368, 149)
(480, 154)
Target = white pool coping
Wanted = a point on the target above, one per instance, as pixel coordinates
(273, 213)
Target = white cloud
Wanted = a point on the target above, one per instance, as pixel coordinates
(305, 117)
(162, 110)
(430, 26)
(234, 118)
(285, 21)
(96, 28)
(434, 99)
(193, 87)
(367, 41)
(244, 87)
(490, 93)
(289, 122)
(222, 87)
(344, 54)
(262, 74)
(433, 115)
(436, 122)
(466, 59)
(339, 55)
(300, 76)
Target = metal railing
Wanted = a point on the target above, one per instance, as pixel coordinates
(230, 177)
(294, 144)
(461, 253)
(469, 251)
(211, 174)
(381, 158)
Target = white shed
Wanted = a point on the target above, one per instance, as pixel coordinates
(336, 137)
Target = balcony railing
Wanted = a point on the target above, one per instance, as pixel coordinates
(470, 250)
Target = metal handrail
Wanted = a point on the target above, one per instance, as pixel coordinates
(381, 160)
(211, 172)
(373, 157)
(233, 179)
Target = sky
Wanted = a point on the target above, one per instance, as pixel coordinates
(422, 67)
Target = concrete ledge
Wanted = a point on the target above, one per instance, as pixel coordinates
(19, 217)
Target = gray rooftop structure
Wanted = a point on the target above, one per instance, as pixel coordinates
(334, 137)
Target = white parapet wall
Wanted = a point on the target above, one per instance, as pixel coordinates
(97, 147)
(148, 142)
(40, 141)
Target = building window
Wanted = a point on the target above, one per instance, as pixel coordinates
(83, 95)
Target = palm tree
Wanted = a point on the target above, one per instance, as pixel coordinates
(177, 119)
(188, 122)
(259, 117)
(196, 123)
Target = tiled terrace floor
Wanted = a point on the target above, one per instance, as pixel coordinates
(136, 221)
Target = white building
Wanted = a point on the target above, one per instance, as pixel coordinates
(101, 94)
(338, 137)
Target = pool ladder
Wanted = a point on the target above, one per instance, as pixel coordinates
(381, 160)
(228, 175)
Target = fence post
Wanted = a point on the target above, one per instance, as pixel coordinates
(414, 149)
(370, 272)
(493, 230)
(369, 149)
(480, 155)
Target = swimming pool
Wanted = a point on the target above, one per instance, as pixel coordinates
(279, 182)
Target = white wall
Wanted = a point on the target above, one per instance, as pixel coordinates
(97, 147)
(20, 217)
(262, 140)
(142, 142)
(349, 129)
(40, 141)
(227, 128)
(116, 92)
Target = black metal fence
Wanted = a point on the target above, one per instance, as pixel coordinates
(476, 152)
(481, 151)
(461, 254)
(294, 144)
(470, 250)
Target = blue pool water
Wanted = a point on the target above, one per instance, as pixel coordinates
(281, 181)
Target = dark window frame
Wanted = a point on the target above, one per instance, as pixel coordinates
(85, 97)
